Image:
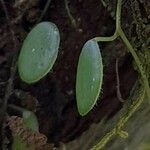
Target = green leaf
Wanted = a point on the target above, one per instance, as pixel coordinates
(30, 120)
(39, 52)
(89, 77)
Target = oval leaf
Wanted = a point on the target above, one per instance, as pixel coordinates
(89, 77)
(39, 52)
(30, 120)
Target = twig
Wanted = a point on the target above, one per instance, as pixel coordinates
(2, 83)
(14, 107)
(119, 96)
(44, 11)
(9, 86)
(73, 21)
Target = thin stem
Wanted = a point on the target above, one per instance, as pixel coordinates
(106, 39)
(130, 48)
(118, 20)
(101, 144)
(118, 15)
(14, 107)
(2, 83)
(44, 11)
(137, 60)
(118, 128)
(73, 21)
(17, 108)
(119, 96)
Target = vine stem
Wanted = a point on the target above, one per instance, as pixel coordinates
(118, 23)
(137, 60)
(117, 130)
(118, 15)
(119, 32)
(101, 144)
(106, 39)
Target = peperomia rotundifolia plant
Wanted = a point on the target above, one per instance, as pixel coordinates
(40, 50)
